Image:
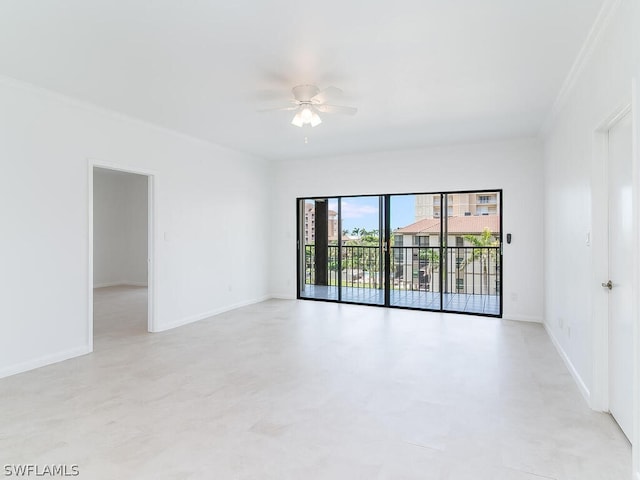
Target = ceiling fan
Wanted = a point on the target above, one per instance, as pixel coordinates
(309, 101)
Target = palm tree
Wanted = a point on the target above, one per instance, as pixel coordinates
(483, 254)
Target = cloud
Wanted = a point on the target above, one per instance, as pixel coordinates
(350, 210)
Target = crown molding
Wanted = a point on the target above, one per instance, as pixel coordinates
(600, 25)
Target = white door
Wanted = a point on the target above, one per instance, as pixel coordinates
(620, 275)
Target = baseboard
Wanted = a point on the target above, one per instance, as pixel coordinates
(44, 361)
(523, 318)
(121, 283)
(282, 296)
(572, 370)
(211, 313)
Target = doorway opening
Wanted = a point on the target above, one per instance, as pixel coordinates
(430, 251)
(121, 280)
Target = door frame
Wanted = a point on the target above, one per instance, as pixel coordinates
(300, 278)
(151, 223)
(635, 152)
(599, 395)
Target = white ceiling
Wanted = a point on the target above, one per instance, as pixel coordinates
(420, 71)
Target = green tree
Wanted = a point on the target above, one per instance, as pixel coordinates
(485, 256)
(359, 260)
(431, 256)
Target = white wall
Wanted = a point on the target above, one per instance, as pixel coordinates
(120, 228)
(575, 198)
(576, 307)
(211, 203)
(514, 166)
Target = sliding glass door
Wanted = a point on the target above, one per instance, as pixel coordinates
(431, 251)
(415, 255)
(318, 224)
(341, 257)
(472, 257)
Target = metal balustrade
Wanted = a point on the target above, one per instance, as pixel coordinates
(464, 279)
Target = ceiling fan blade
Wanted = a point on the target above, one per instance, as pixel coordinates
(278, 109)
(325, 95)
(336, 109)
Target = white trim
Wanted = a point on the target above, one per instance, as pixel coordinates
(282, 296)
(602, 21)
(599, 270)
(634, 262)
(635, 132)
(572, 370)
(152, 185)
(89, 294)
(523, 318)
(152, 233)
(211, 313)
(121, 168)
(617, 115)
(600, 258)
(44, 361)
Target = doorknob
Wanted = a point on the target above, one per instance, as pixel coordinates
(608, 285)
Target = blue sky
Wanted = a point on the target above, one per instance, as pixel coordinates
(362, 212)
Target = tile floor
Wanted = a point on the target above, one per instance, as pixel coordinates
(310, 390)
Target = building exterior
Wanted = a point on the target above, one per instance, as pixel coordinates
(310, 224)
(426, 232)
(470, 255)
(458, 204)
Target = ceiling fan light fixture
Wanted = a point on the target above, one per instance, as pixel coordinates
(306, 116)
(315, 119)
(309, 101)
(297, 120)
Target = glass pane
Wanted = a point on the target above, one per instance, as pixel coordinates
(472, 255)
(362, 257)
(415, 251)
(319, 258)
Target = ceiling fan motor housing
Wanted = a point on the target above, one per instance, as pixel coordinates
(304, 93)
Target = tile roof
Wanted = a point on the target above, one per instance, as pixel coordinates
(471, 224)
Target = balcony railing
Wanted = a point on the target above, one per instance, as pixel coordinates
(464, 270)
